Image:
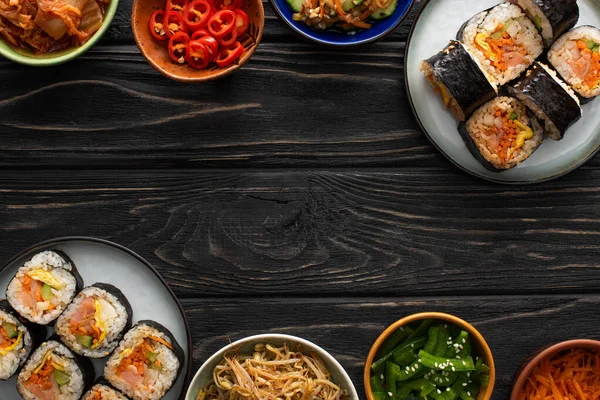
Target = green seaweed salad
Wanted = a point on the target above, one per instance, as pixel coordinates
(430, 360)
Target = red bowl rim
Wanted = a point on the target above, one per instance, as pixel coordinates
(549, 351)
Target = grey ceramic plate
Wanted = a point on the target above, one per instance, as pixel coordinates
(102, 261)
(437, 23)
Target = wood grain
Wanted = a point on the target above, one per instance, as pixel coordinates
(405, 232)
(514, 326)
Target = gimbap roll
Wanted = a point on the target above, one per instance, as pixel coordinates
(551, 18)
(458, 79)
(503, 40)
(102, 390)
(44, 286)
(95, 321)
(17, 339)
(146, 363)
(54, 372)
(553, 102)
(501, 135)
(576, 57)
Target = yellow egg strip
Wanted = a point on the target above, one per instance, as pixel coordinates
(13, 346)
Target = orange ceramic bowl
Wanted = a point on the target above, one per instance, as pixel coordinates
(480, 347)
(157, 55)
(530, 363)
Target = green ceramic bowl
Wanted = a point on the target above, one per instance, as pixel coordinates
(28, 58)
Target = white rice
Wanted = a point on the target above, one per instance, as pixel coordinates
(70, 391)
(532, 10)
(61, 270)
(484, 117)
(10, 362)
(522, 30)
(565, 50)
(106, 392)
(166, 376)
(114, 325)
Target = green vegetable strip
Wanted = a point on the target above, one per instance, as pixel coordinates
(376, 385)
(406, 358)
(443, 363)
(432, 341)
(392, 371)
(422, 328)
(442, 341)
(422, 385)
(380, 396)
(457, 387)
(485, 380)
(378, 366)
(444, 378)
(394, 339)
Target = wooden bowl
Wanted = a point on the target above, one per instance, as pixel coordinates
(531, 362)
(479, 344)
(157, 55)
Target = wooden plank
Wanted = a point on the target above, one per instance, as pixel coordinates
(514, 327)
(413, 232)
(286, 108)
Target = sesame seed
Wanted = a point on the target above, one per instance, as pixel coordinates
(468, 393)
(464, 340)
(436, 364)
(453, 369)
(390, 394)
(465, 384)
(449, 337)
(412, 345)
(439, 391)
(447, 389)
(382, 377)
(464, 363)
(419, 360)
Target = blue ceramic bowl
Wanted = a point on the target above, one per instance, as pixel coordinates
(339, 39)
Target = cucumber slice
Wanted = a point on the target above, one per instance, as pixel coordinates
(151, 356)
(590, 44)
(382, 13)
(596, 48)
(10, 329)
(62, 378)
(537, 21)
(84, 340)
(295, 5)
(348, 5)
(47, 292)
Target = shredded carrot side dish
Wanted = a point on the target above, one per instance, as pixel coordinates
(569, 375)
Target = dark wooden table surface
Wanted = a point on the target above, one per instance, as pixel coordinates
(296, 196)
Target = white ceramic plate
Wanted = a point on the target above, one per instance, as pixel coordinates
(246, 346)
(437, 23)
(102, 261)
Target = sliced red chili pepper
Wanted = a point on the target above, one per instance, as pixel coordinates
(197, 55)
(241, 22)
(156, 25)
(228, 39)
(174, 23)
(211, 45)
(229, 55)
(227, 4)
(200, 33)
(197, 14)
(176, 5)
(221, 23)
(178, 47)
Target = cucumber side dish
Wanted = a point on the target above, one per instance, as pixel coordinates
(345, 15)
(430, 360)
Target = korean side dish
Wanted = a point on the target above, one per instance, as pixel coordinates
(572, 374)
(272, 372)
(497, 53)
(44, 26)
(201, 33)
(429, 359)
(342, 15)
(89, 323)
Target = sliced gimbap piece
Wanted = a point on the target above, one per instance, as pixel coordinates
(551, 18)
(102, 390)
(501, 135)
(552, 101)
(576, 57)
(17, 339)
(458, 79)
(503, 40)
(146, 363)
(54, 372)
(95, 321)
(44, 286)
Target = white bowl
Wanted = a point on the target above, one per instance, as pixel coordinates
(246, 346)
